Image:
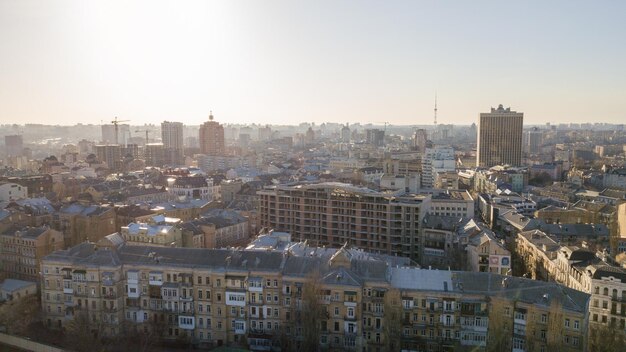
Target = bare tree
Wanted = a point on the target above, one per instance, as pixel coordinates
(500, 320)
(555, 326)
(19, 314)
(312, 312)
(606, 338)
(82, 335)
(392, 326)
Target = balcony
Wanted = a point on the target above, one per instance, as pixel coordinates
(349, 318)
(186, 298)
(110, 295)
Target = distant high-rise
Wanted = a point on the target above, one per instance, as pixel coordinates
(14, 145)
(108, 134)
(211, 137)
(110, 155)
(534, 139)
(345, 134)
(173, 144)
(420, 137)
(500, 138)
(375, 137)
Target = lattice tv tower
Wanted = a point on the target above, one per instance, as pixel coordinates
(435, 109)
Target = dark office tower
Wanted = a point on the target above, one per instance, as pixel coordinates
(500, 138)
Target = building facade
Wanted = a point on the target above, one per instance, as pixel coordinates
(172, 137)
(22, 248)
(500, 138)
(341, 300)
(333, 214)
(211, 138)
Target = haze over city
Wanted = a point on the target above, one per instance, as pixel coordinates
(278, 62)
(312, 176)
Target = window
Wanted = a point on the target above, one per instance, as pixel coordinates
(544, 318)
(567, 323)
(576, 324)
(350, 312)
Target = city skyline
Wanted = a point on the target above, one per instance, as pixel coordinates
(87, 62)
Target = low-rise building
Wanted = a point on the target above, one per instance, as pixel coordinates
(11, 289)
(12, 191)
(157, 231)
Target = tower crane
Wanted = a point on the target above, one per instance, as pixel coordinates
(115, 122)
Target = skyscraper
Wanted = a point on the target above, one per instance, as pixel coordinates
(172, 136)
(211, 137)
(500, 138)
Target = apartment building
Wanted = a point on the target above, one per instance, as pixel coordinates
(332, 214)
(84, 222)
(579, 269)
(22, 248)
(218, 228)
(267, 300)
(485, 253)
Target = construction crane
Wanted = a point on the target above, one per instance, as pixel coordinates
(146, 131)
(115, 123)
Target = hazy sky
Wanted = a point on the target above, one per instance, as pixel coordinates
(293, 61)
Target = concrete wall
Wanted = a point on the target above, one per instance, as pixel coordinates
(27, 344)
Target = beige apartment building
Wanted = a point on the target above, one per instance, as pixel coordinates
(341, 299)
(581, 270)
(22, 248)
(211, 137)
(333, 214)
(500, 138)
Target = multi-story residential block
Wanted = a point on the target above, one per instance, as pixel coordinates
(37, 185)
(615, 178)
(500, 178)
(451, 203)
(194, 187)
(22, 248)
(172, 137)
(110, 155)
(447, 180)
(435, 160)
(218, 228)
(211, 137)
(339, 299)
(579, 269)
(500, 138)
(79, 222)
(485, 253)
(336, 213)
